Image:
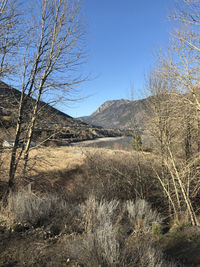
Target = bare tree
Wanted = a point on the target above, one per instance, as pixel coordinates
(161, 116)
(10, 35)
(171, 126)
(51, 56)
(183, 64)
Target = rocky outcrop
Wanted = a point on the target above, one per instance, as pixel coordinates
(119, 114)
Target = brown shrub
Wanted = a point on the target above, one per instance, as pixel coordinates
(123, 176)
(139, 251)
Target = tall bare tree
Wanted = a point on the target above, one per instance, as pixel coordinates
(171, 126)
(161, 126)
(181, 69)
(52, 54)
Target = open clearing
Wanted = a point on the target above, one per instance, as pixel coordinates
(65, 157)
(60, 168)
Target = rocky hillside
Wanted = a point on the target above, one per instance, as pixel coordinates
(120, 114)
(51, 122)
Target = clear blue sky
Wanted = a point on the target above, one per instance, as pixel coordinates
(123, 36)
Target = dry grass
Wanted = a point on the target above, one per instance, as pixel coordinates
(76, 170)
(56, 158)
(44, 159)
(49, 169)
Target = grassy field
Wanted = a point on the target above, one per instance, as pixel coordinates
(82, 206)
(49, 158)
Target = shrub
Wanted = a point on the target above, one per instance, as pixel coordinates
(101, 249)
(96, 213)
(141, 216)
(100, 244)
(141, 252)
(34, 209)
(97, 248)
(120, 176)
(137, 141)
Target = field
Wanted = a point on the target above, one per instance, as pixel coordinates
(84, 206)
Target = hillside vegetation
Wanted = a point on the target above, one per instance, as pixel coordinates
(108, 207)
(52, 125)
(88, 206)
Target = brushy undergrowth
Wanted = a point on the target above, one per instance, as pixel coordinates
(96, 213)
(29, 207)
(140, 251)
(97, 248)
(96, 232)
(112, 226)
(123, 177)
(104, 243)
(141, 216)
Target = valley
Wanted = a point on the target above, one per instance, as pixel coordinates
(85, 182)
(119, 187)
(53, 127)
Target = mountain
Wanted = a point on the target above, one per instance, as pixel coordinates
(119, 114)
(48, 115)
(51, 123)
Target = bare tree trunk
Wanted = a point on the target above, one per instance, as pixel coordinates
(188, 140)
(190, 209)
(13, 161)
(198, 132)
(30, 132)
(165, 188)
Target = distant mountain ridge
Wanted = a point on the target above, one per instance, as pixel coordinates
(119, 114)
(50, 120)
(9, 98)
